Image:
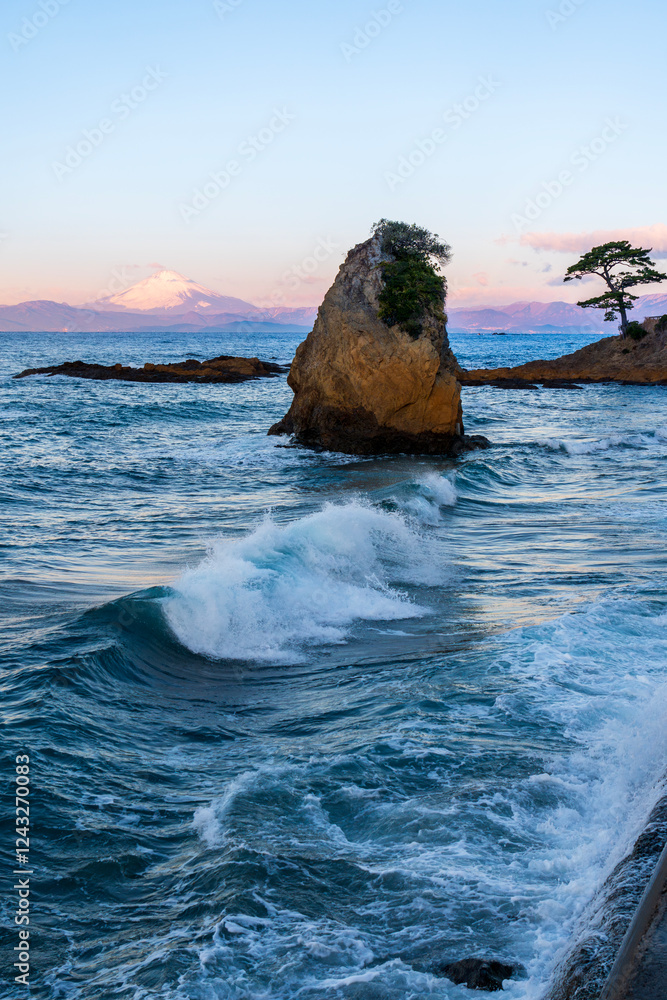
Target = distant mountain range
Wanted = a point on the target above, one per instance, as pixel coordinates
(542, 317)
(169, 302)
(164, 302)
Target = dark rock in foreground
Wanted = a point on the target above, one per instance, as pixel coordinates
(224, 368)
(479, 973)
(603, 924)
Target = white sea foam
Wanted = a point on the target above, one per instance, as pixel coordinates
(281, 588)
(208, 820)
(573, 446)
(599, 676)
(252, 451)
(593, 679)
(430, 493)
(441, 489)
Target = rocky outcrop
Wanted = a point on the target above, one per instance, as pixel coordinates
(605, 921)
(633, 362)
(480, 973)
(222, 369)
(363, 387)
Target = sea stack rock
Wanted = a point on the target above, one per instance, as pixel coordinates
(363, 386)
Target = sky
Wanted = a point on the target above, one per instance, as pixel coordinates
(248, 144)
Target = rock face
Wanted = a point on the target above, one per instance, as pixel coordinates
(603, 924)
(635, 362)
(363, 387)
(479, 973)
(222, 369)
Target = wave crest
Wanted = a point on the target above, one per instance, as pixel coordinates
(283, 588)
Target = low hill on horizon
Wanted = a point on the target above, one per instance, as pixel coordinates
(542, 317)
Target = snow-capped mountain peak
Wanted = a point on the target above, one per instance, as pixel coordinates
(169, 291)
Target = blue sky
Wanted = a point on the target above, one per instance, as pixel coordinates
(332, 115)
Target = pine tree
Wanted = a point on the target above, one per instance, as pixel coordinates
(603, 261)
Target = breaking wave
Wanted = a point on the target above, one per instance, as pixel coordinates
(285, 587)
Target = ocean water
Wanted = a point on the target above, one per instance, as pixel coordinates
(307, 725)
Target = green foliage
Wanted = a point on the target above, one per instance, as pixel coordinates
(613, 303)
(402, 241)
(636, 331)
(661, 325)
(413, 285)
(638, 269)
(411, 288)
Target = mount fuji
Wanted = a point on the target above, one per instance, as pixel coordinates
(169, 292)
(166, 301)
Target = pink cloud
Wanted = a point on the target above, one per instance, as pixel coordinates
(481, 277)
(654, 237)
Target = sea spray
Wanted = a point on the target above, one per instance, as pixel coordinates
(427, 497)
(485, 783)
(283, 588)
(577, 446)
(522, 835)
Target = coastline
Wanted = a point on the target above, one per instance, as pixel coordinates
(615, 926)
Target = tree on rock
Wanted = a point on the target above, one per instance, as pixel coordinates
(621, 266)
(413, 284)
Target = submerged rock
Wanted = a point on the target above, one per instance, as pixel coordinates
(221, 369)
(502, 383)
(479, 973)
(363, 387)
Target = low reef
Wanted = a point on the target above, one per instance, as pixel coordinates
(224, 368)
(640, 359)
